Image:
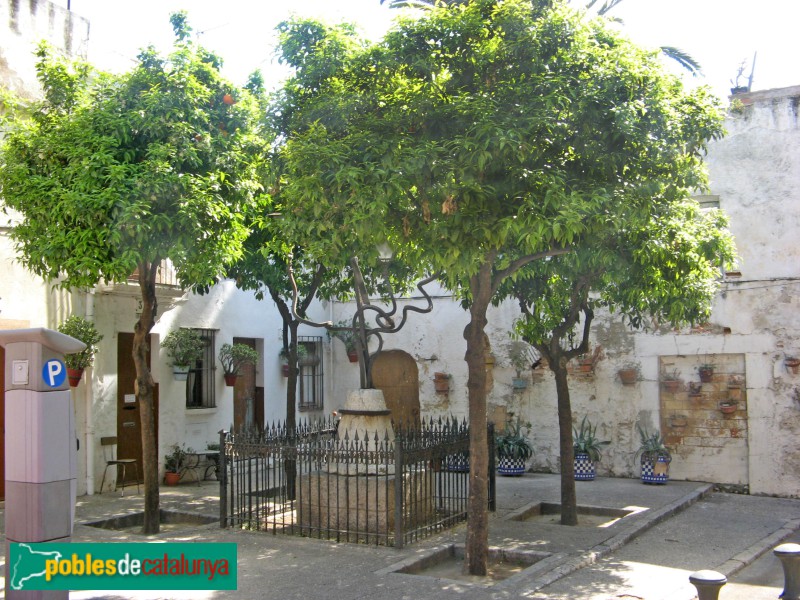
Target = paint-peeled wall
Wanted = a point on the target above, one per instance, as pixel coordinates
(753, 330)
(23, 24)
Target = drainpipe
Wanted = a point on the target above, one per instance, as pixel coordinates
(88, 388)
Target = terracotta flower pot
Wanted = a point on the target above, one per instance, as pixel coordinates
(706, 374)
(171, 478)
(628, 376)
(352, 356)
(671, 385)
(230, 379)
(74, 376)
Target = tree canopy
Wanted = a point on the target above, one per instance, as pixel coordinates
(666, 270)
(112, 175)
(479, 138)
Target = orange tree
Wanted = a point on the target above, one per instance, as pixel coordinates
(478, 139)
(667, 269)
(115, 174)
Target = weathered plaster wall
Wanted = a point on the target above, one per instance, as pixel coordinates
(755, 325)
(22, 25)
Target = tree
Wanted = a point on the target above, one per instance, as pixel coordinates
(481, 138)
(114, 174)
(684, 59)
(667, 268)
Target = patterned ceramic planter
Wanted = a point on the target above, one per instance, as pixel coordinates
(510, 466)
(655, 471)
(584, 467)
(458, 462)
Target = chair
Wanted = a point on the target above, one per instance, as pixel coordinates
(109, 445)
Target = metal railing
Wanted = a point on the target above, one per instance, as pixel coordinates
(370, 490)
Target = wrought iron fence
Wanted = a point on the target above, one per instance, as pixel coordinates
(370, 490)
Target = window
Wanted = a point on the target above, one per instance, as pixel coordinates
(200, 383)
(309, 388)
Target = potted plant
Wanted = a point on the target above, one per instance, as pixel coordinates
(706, 372)
(792, 363)
(628, 374)
(284, 356)
(513, 448)
(655, 457)
(172, 463)
(348, 338)
(83, 330)
(520, 355)
(588, 450)
(670, 381)
(441, 382)
(184, 347)
(233, 357)
(727, 407)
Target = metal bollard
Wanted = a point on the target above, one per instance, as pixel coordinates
(708, 584)
(789, 555)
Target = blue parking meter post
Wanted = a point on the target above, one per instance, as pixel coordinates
(40, 443)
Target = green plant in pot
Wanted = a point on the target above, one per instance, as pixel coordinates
(283, 354)
(233, 357)
(521, 357)
(347, 336)
(588, 450)
(513, 448)
(184, 348)
(655, 457)
(83, 330)
(173, 461)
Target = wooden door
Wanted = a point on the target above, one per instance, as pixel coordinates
(395, 373)
(129, 430)
(2, 423)
(244, 392)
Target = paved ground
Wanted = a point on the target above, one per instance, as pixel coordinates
(674, 530)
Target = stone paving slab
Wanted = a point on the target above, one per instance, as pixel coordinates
(648, 555)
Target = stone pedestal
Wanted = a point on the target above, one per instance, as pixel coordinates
(366, 429)
(362, 505)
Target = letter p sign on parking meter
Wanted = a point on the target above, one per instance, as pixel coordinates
(54, 373)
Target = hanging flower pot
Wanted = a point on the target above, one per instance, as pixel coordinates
(793, 364)
(671, 385)
(519, 383)
(230, 379)
(728, 408)
(352, 356)
(180, 372)
(441, 382)
(706, 373)
(285, 369)
(74, 376)
(628, 376)
(585, 469)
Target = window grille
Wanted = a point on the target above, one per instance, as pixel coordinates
(200, 388)
(310, 380)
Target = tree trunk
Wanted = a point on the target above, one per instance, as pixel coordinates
(144, 396)
(476, 556)
(289, 464)
(569, 504)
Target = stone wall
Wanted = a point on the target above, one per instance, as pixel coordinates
(22, 26)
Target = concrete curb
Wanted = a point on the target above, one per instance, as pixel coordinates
(595, 553)
(761, 547)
